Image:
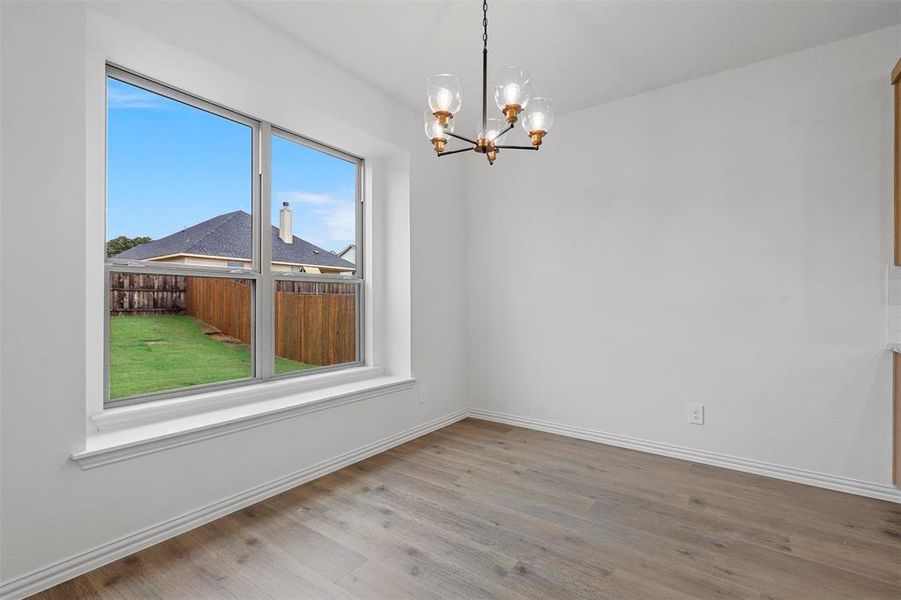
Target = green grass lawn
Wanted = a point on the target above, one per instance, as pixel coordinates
(151, 354)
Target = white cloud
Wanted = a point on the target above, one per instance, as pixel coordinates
(341, 223)
(325, 219)
(123, 98)
(304, 198)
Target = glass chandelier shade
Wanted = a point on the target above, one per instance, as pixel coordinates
(493, 127)
(434, 130)
(539, 117)
(512, 87)
(445, 94)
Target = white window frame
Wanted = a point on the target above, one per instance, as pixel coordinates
(260, 273)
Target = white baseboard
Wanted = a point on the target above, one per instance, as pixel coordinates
(82, 563)
(823, 480)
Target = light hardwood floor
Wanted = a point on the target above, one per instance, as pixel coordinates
(480, 510)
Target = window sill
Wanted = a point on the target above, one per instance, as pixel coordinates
(119, 417)
(132, 431)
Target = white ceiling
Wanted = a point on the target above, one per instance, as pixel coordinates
(580, 53)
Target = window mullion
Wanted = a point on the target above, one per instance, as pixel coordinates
(149, 267)
(264, 351)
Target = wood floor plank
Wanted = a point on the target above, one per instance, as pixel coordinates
(553, 546)
(483, 561)
(377, 580)
(485, 510)
(398, 543)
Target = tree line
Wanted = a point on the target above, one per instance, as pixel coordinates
(120, 244)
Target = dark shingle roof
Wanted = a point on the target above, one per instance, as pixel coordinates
(229, 236)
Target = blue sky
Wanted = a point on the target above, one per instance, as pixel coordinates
(170, 166)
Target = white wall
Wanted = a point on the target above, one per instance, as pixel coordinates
(721, 241)
(52, 510)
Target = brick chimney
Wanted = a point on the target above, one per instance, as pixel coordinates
(284, 224)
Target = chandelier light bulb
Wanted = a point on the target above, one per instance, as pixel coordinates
(539, 119)
(512, 88)
(511, 93)
(493, 127)
(445, 94)
(443, 99)
(435, 131)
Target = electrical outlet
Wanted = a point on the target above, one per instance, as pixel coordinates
(696, 414)
(422, 394)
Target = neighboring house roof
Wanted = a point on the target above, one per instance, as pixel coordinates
(350, 248)
(229, 236)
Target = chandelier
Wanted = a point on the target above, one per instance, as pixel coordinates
(512, 94)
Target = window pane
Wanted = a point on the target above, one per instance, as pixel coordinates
(313, 210)
(174, 331)
(315, 325)
(179, 181)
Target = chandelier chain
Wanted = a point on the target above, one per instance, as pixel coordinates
(485, 24)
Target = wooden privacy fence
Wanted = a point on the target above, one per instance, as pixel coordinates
(316, 322)
(145, 294)
(226, 304)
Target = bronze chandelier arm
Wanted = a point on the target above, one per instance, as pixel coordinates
(504, 131)
(460, 137)
(517, 147)
(455, 152)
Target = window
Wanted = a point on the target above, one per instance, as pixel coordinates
(231, 247)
